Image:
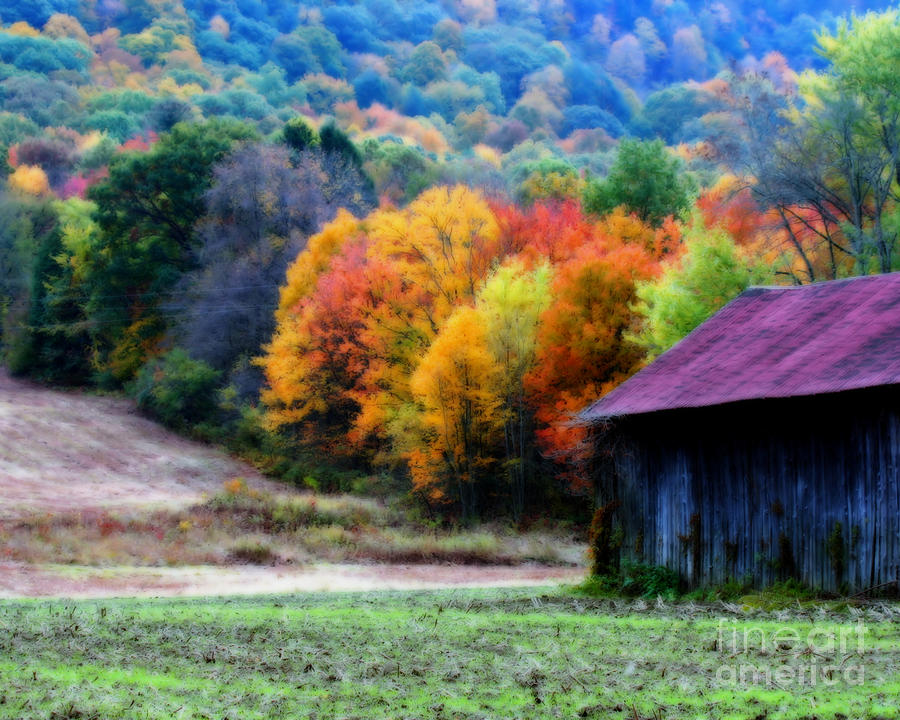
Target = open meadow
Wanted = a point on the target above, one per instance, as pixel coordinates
(145, 511)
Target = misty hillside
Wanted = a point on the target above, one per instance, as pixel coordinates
(444, 75)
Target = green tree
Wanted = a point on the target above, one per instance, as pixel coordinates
(335, 140)
(299, 135)
(712, 272)
(854, 110)
(25, 223)
(646, 180)
(146, 212)
(44, 334)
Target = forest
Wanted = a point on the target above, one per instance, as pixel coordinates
(393, 247)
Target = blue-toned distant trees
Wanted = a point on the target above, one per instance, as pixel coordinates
(44, 102)
(372, 87)
(425, 65)
(259, 211)
(666, 111)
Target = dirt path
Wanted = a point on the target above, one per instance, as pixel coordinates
(63, 451)
(19, 580)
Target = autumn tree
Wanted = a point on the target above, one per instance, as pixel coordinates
(317, 355)
(440, 248)
(361, 307)
(581, 345)
(582, 348)
(456, 385)
(29, 180)
(509, 307)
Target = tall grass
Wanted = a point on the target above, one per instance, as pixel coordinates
(241, 524)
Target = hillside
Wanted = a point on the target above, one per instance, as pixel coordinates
(502, 84)
(394, 248)
(71, 454)
(64, 452)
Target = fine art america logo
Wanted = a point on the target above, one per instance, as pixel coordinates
(784, 656)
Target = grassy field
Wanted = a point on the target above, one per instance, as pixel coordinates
(459, 654)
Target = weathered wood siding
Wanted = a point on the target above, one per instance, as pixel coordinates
(756, 490)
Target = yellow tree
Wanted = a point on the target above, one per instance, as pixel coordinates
(510, 305)
(456, 387)
(444, 242)
(29, 179)
(433, 256)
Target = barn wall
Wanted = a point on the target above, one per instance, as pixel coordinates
(755, 490)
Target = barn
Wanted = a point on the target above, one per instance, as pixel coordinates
(766, 444)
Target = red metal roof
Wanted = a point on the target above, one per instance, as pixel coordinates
(774, 343)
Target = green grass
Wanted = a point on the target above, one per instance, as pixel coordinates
(460, 654)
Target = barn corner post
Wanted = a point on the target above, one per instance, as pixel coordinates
(600, 462)
(605, 531)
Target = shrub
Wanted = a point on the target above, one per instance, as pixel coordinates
(177, 390)
(255, 553)
(635, 580)
(649, 581)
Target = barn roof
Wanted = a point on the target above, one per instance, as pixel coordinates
(774, 342)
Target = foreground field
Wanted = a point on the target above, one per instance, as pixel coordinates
(449, 654)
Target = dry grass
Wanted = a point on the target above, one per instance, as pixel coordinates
(243, 524)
